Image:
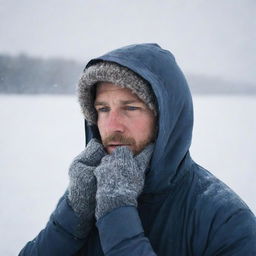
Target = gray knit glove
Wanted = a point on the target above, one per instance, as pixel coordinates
(82, 185)
(120, 179)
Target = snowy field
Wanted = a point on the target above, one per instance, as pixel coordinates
(40, 135)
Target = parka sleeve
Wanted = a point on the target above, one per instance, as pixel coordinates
(61, 236)
(222, 225)
(121, 233)
(235, 236)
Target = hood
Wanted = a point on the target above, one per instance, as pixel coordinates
(175, 111)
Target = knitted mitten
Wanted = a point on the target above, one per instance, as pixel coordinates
(82, 185)
(120, 179)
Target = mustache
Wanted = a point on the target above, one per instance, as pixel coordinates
(119, 138)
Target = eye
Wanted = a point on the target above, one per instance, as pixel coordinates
(102, 109)
(131, 108)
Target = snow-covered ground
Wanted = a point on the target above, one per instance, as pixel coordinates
(40, 135)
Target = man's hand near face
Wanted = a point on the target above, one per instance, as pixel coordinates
(115, 179)
(120, 179)
(82, 185)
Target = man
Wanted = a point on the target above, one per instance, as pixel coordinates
(135, 190)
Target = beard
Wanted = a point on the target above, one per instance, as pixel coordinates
(136, 147)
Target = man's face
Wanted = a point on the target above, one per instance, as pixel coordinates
(123, 119)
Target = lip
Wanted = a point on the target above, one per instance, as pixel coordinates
(111, 147)
(116, 145)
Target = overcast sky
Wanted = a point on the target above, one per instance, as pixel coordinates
(212, 37)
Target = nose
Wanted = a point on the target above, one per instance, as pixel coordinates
(115, 122)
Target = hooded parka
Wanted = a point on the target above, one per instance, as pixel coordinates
(183, 210)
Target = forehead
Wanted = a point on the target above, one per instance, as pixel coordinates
(109, 89)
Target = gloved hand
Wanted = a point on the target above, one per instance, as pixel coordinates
(82, 185)
(120, 179)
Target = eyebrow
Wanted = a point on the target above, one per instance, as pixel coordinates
(123, 102)
(100, 103)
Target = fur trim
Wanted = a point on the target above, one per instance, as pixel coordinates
(112, 73)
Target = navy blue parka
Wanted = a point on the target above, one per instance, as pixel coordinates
(183, 210)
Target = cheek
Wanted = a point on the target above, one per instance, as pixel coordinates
(101, 129)
(143, 128)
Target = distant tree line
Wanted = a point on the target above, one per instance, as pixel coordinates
(23, 74)
(28, 75)
(202, 84)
